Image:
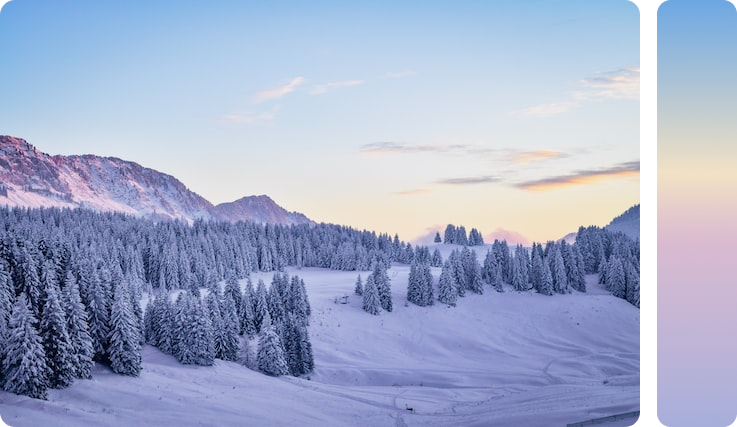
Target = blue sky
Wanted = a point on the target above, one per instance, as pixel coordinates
(391, 116)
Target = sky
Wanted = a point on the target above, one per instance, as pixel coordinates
(697, 206)
(401, 117)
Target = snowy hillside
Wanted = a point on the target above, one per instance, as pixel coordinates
(31, 178)
(502, 359)
(628, 222)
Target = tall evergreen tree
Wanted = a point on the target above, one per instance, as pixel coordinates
(437, 238)
(371, 302)
(383, 286)
(419, 286)
(358, 289)
(271, 360)
(447, 292)
(450, 234)
(261, 307)
(437, 259)
(248, 321)
(124, 349)
(229, 334)
(24, 359)
(55, 337)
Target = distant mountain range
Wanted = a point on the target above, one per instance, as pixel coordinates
(31, 178)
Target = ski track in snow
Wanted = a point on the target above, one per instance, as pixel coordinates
(502, 359)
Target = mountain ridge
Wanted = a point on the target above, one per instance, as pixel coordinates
(32, 178)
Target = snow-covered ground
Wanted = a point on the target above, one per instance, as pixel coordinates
(502, 359)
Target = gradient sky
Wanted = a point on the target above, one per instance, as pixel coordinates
(697, 207)
(390, 116)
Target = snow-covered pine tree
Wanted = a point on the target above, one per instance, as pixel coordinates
(271, 360)
(447, 288)
(124, 348)
(437, 238)
(358, 289)
(416, 285)
(194, 340)
(55, 336)
(298, 302)
(383, 286)
(450, 234)
(473, 271)
(461, 236)
(491, 272)
(24, 361)
(229, 334)
(371, 302)
(246, 356)
(616, 279)
(579, 283)
(78, 328)
(459, 271)
(437, 259)
(632, 277)
(261, 306)
(546, 285)
(558, 269)
(233, 291)
(247, 321)
(98, 310)
(31, 283)
(518, 282)
(536, 269)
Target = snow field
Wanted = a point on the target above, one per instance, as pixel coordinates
(502, 359)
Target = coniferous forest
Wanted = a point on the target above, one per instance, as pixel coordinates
(79, 287)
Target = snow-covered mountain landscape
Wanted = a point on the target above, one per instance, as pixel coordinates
(319, 214)
(508, 354)
(502, 359)
(30, 178)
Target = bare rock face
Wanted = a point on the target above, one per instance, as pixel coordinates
(31, 178)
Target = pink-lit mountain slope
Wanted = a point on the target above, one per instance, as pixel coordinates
(31, 178)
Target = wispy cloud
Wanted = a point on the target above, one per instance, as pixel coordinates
(400, 74)
(248, 118)
(507, 154)
(521, 157)
(278, 92)
(328, 87)
(582, 177)
(469, 180)
(391, 147)
(623, 83)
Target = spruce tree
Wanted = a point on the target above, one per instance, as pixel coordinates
(447, 292)
(245, 354)
(60, 355)
(124, 349)
(271, 360)
(546, 284)
(230, 330)
(24, 359)
(248, 326)
(437, 238)
(383, 286)
(371, 302)
(358, 289)
(261, 307)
